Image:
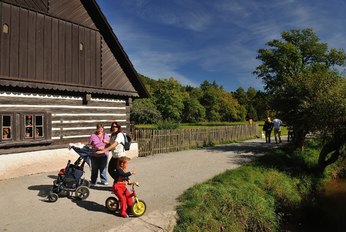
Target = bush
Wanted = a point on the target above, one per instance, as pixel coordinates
(167, 125)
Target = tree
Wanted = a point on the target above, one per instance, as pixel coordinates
(229, 111)
(169, 98)
(241, 96)
(331, 105)
(251, 96)
(299, 71)
(150, 84)
(144, 111)
(211, 101)
(247, 99)
(194, 111)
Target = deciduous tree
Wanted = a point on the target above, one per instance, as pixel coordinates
(169, 95)
(300, 74)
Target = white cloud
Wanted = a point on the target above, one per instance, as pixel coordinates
(220, 36)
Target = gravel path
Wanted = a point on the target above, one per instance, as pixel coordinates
(162, 179)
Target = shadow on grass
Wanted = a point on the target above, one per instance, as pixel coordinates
(285, 160)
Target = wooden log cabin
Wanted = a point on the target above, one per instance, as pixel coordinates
(62, 70)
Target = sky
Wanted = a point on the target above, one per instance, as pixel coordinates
(215, 40)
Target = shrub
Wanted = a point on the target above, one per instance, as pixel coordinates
(167, 125)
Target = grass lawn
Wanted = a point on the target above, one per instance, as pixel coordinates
(264, 195)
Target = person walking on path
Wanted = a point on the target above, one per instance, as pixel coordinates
(267, 128)
(98, 141)
(277, 129)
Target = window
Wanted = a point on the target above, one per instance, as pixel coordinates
(39, 130)
(33, 126)
(81, 46)
(5, 28)
(23, 128)
(28, 126)
(6, 124)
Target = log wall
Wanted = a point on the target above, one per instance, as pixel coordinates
(68, 119)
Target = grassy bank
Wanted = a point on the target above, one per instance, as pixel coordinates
(264, 195)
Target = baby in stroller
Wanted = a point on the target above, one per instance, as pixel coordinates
(70, 178)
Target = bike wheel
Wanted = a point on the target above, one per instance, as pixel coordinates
(53, 197)
(82, 192)
(138, 208)
(112, 204)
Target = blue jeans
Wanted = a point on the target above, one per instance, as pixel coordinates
(99, 163)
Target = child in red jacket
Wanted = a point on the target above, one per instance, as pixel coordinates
(119, 186)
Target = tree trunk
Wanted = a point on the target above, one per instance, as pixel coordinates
(333, 147)
(299, 140)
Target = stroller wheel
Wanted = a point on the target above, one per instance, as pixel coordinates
(53, 197)
(86, 183)
(112, 204)
(82, 192)
(64, 193)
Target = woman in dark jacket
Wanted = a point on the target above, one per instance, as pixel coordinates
(267, 128)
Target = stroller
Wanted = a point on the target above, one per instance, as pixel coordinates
(70, 178)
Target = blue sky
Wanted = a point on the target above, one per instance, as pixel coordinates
(197, 40)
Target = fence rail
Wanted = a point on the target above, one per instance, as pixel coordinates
(151, 141)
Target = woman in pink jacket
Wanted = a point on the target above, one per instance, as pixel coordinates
(98, 141)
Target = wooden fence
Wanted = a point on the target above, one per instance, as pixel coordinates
(152, 141)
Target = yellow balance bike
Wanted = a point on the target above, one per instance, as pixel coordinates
(137, 209)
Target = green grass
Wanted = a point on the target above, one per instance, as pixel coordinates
(193, 125)
(260, 196)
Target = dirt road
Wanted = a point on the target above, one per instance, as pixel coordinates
(162, 177)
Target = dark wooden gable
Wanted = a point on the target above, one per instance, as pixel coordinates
(36, 5)
(112, 51)
(71, 10)
(64, 45)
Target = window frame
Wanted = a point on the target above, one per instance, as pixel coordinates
(3, 127)
(18, 127)
(32, 134)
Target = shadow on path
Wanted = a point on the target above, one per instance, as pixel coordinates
(244, 147)
(43, 190)
(90, 205)
(244, 152)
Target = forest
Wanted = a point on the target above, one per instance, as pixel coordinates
(304, 85)
(210, 102)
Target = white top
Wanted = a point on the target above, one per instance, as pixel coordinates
(119, 150)
(277, 123)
